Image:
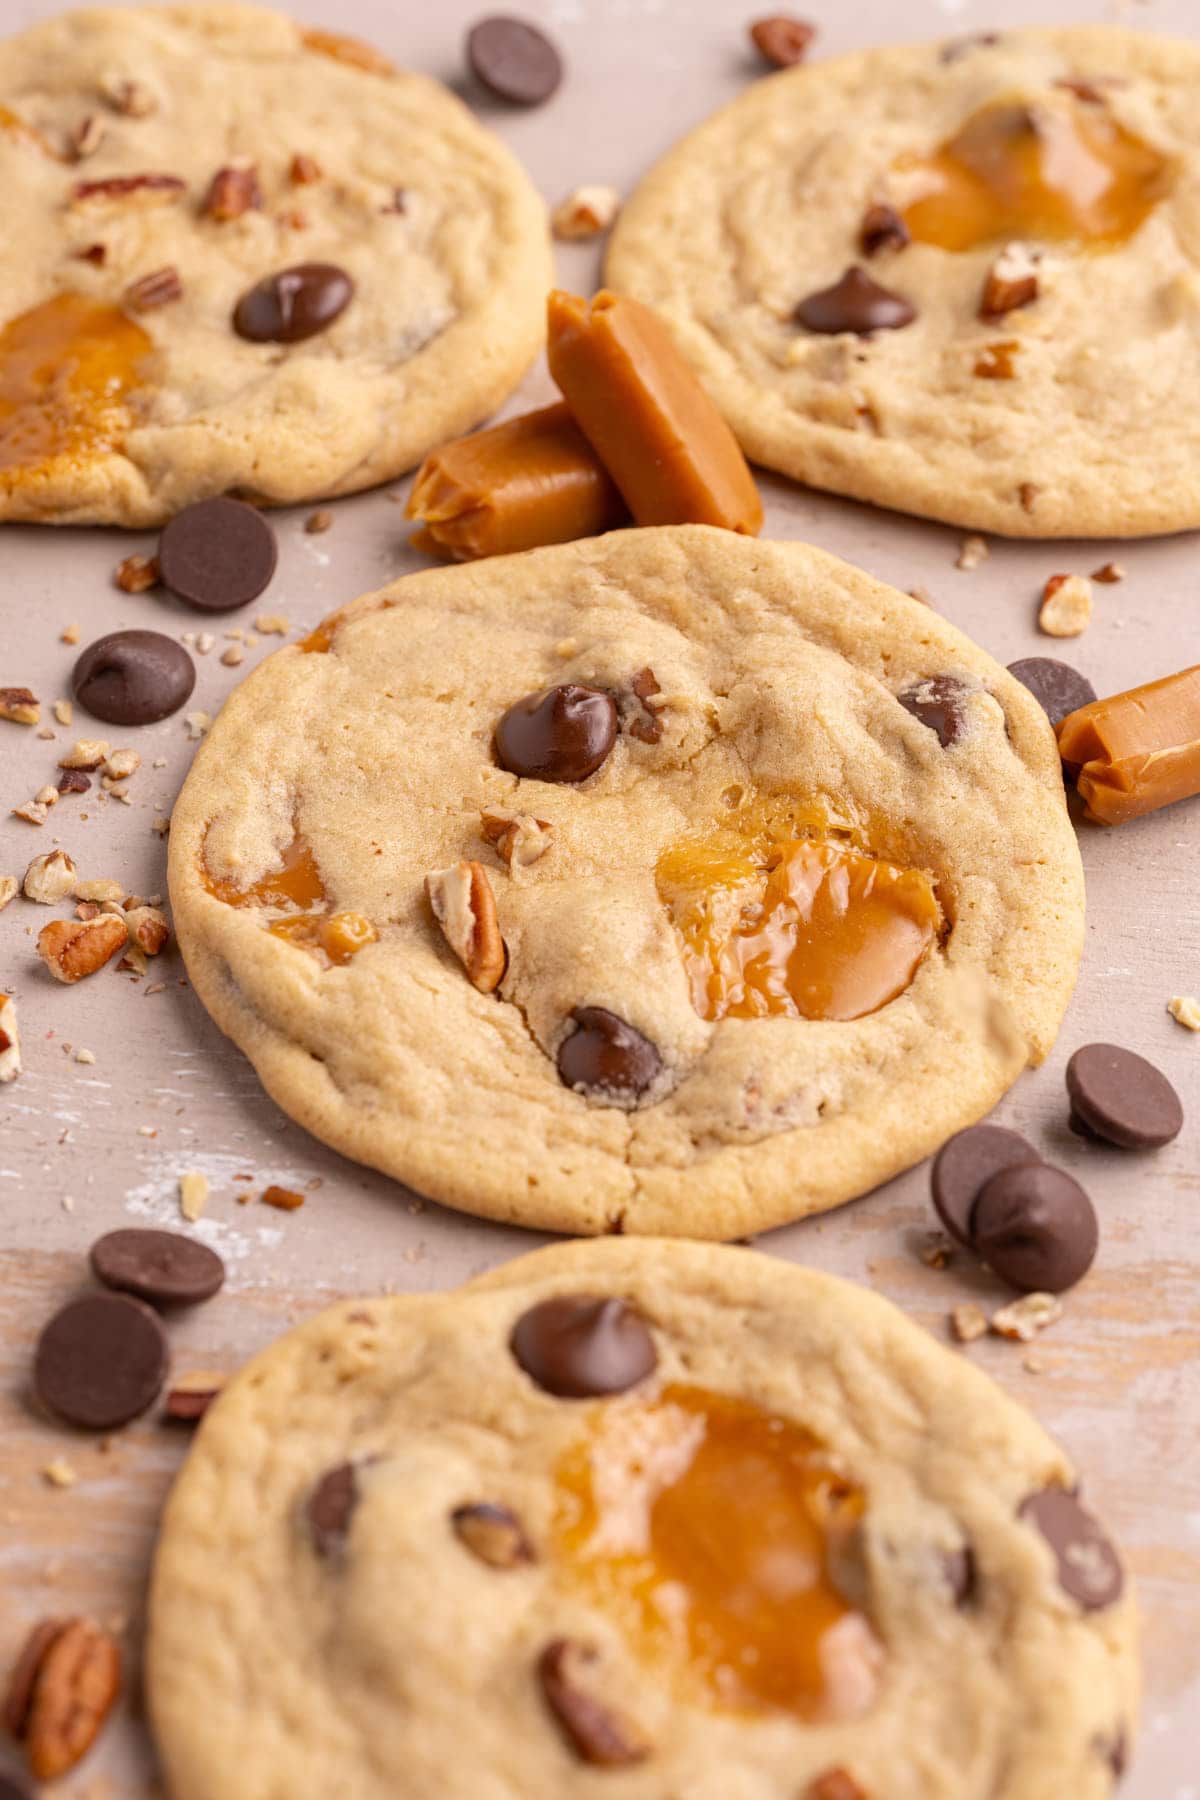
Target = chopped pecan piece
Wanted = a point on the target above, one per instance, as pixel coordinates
(233, 191)
(645, 685)
(72, 951)
(518, 838)
(75, 1684)
(137, 574)
(304, 170)
(1012, 281)
(190, 1395)
(597, 1733)
(19, 705)
(18, 1696)
(72, 781)
(586, 212)
(120, 187)
(50, 878)
(464, 906)
(125, 95)
(1066, 608)
(88, 754)
(283, 1199)
(158, 288)
(882, 228)
(96, 254)
(492, 1533)
(10, 1040)
(147, 928)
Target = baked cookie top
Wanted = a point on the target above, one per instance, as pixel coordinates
(636, 1520)
(158, 165)
(816, 906)
(1027, 201)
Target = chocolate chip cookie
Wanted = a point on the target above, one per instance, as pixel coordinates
(661, 882)
(958, 279)
(642, 1519)
(240, 253)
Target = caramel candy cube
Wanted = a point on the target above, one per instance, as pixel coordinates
(661, 438)
(1137, 751)
(533, 480)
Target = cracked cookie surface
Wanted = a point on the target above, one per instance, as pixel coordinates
(158, 164)
(551, 1065)
(1032, 338)
(435, 1511)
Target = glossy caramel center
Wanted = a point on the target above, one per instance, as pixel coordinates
(707, 1528)
(67, 371)
(296, 890)
(1062, 170)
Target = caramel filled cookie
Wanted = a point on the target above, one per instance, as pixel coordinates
(958, 279)
(242, 254)
(635, 1519)
(666, 882)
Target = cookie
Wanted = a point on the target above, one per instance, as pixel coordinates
(257, 258)
(956, 279)
(786, 893)
(642, 1519)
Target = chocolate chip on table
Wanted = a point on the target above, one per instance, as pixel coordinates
(293, 304)
(607, 1058)
(855, 303)
(577, 1346)
(1056, 686)
(596, 1732)
(492, 1533)
(100, 1361)
(939, 703)
(157, 1265)
(330, 1507)
(782, 40)
(514, 60)
(1089, 1570)
(133, 677)
(1118, 1096)
(561, 734)
(965, 1164)
(1035, 1227)
(217, 554)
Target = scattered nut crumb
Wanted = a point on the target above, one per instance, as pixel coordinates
(586, 212)
(137, 574)
(1013, 280)
(272, 624)
(99, 891)
(318, 522)
(121, 764)
(46, 735)
(59, 1473)
(204, 642)
(64, 712)
(162, 824)
(33, 812)
(1034, 1365)
(938, 1252)
(1022, 1319)
(8, 890)
(70, 634)
(148, 929)
(1066, 609)
(47, 796)
(50, 878)
(1184, 1007)
(1109, 572)
(20, 706)
(286, 1199)
(88, 753)
(197, 724)
(233, 657)
(968, 1323)
(971, 552)
(86, 1057)
(193, 1195)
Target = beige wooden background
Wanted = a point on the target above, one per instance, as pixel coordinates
(84, 1148)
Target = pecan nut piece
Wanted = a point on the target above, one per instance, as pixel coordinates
(137, 574)
(159, 288)
(148, 929)
(73, 949)
(10, 1039)
(596, 1732)
(232, 192)
(465, 907)
(121, 187)
(518, 838)
(1012, 281)
(18, 1697)
(492, 1533)
(50, 878)
(19, 705)
(77, 1680)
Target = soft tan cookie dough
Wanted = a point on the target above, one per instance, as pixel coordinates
(778, 670)
(386, 1526)
(378, 171)
(1095, 434)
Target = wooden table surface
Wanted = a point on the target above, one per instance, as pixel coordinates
(86, 1146)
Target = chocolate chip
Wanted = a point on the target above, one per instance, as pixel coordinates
(596, 1733)
(561, 734)
(579, 1345)
(157, 1265)
(1088, 1567)
(857, 304)
(293, 304)
(1056, 686)
(1122, 1098)
(607, 1058)
(217, 554)
(514, 60)
(882, 229)
(100, 1361)
(964, 1164)
(939, 703)
(133, 677)
(1036, 1228)
(330, 1507)
(783, 40)
(959, 1569)
(492, 1533)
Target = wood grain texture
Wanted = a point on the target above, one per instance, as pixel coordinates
(86, 1147)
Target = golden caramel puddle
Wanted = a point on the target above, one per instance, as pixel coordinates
(706, 1528)
(340, 935)
(775, 924)
(67, 371)
(296, 886)
(1061, 170)
(996, 362)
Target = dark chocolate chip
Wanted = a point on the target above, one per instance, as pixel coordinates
(597, 1733)
(961, 1575)
(1036, 1228)
(1122, 1098)
(782, 40)
(964, 1164)
(157, 1265)
(1089, 1570)
(330, 1507)
(217, 554)
(882, 229)
(492, 1533)
(855, 303)
(514, 60)
(293, 304)
(1056, 686)
(561, 734)
(607, 1058)
(579, 1345)
(100, 1361)
(133, 677)
(939, 703)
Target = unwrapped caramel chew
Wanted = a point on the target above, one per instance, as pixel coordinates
(659, 435)
(1137, 751)
(533, 480)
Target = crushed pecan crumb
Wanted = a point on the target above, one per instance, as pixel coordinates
(19, 705)
(137, 574)
(232, 192)
(284, 1199)
(159, 288)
